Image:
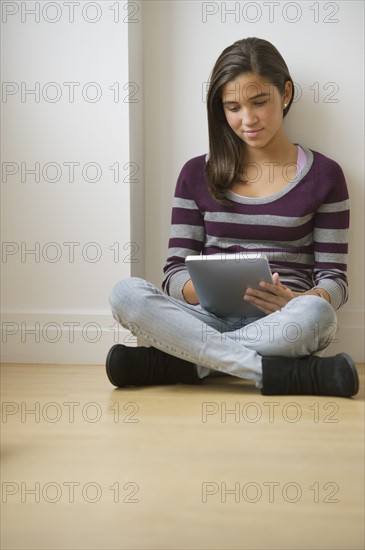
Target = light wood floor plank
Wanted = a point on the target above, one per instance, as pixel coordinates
(214, 466)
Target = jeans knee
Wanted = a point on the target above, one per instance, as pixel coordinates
(124, 293)
(315, 321)
(309, 309)
(323, 311)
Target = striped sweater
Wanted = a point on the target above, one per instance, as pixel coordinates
(302, 229)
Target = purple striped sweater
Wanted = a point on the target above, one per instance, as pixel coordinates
(302, 228)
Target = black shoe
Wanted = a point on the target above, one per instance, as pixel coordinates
(130, 366)
(310, 375)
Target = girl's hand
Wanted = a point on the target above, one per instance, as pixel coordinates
(189, 293)
(271, 296)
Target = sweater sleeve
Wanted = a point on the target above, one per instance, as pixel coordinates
(331, 223)
(187, 232)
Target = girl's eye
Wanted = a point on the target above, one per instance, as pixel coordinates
(234, 109)
(259, 102)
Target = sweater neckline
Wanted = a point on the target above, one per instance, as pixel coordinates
(271, 198)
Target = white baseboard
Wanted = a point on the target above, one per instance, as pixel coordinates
(86, 338)
(60, 338)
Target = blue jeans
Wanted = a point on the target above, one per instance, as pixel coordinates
(230, 345)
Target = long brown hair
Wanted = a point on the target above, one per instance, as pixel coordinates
(253, 55)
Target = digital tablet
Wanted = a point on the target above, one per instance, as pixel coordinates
(220, 281)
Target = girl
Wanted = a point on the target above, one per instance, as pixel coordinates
(253, 191)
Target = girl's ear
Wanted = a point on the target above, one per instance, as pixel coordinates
(288, 92)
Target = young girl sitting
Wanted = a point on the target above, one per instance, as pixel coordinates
(255, 191)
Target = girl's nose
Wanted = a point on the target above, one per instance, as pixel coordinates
(248, 116)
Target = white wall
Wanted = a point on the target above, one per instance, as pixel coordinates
(55, 306)
(169, 58)
(322, 43)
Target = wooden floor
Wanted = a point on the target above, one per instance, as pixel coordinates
(214, 466)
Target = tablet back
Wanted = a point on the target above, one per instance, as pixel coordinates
(220, 281)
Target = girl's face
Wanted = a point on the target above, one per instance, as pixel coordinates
(254, 109)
